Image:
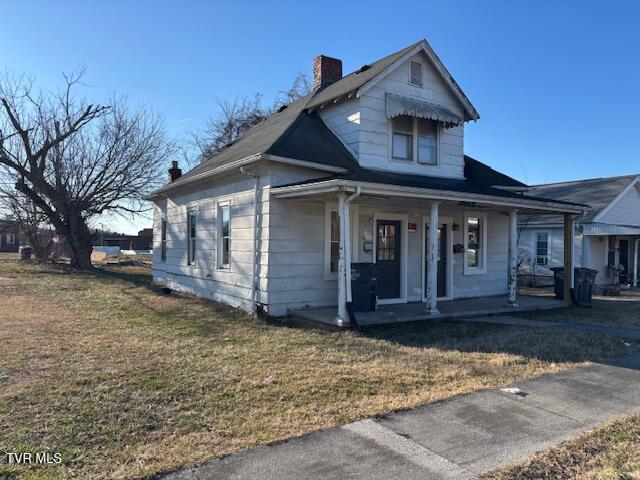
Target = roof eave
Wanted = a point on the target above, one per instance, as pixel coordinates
(334, 185)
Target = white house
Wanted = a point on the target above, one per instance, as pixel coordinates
(607, 236)
(359, 170)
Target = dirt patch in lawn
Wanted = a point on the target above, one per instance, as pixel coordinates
(609, 452)
(127, 382)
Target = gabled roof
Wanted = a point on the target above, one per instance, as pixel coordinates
(354, 82)
(596, 192)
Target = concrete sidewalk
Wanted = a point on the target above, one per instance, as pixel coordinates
(454, 439)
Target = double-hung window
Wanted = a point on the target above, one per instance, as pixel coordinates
(163, 240)
(475, 247)
(191, 237)
(427, 141)
(11, 238)
(542, 249)
(403, 137)
(224, 235)
(415, 137)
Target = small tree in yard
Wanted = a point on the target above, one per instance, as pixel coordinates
(32, 221)
(74, 160)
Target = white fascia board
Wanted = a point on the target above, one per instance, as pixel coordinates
(416, 192)
(242, 162)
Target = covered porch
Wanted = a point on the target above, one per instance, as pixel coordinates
(468, 268)
(411, 312)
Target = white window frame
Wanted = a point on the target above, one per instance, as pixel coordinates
(414, 145)
(535, 247)
(219, 239)
(482, 269)
(11, 238)
(355, 243)
(192, 241)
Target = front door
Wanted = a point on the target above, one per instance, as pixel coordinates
(442, 259)
(388, 258)
(623, 260)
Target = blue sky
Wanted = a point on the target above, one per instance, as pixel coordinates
(555, 83)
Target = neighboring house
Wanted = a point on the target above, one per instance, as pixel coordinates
(360, 170)
(142, 241)
(607, 236)
(11, 236)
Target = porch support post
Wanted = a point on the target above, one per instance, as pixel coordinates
(568, 257)
(635, 263)
(512, 277)
(431, 306)
(342, 284)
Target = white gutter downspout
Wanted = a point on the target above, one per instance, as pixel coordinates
(254, 261)
(635, 264)
(344, 261)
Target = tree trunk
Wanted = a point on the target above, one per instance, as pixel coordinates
(80, 241)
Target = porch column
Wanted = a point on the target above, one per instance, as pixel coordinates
(568, 257)
(342, 284)
(431, 306)
(512, 277)
(635, 263)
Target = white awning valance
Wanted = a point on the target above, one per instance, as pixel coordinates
(398, 105)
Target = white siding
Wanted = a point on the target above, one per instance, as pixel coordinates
(362, 124)
(344, 121)
(626, 210)
(375, 133)
(232, 286)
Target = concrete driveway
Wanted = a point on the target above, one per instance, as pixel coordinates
(454, 439)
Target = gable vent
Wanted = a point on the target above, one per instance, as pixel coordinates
(415, 74)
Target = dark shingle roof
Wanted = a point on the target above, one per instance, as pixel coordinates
(292, 133)
(356, 79)
(296, 133)
(595, 192)
(483, 174)
(465, 185)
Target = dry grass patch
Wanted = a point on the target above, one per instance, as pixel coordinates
(618, 312)
(610, 452)
(128, 382)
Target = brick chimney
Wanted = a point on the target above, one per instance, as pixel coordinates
(326, 70)
(174, 172)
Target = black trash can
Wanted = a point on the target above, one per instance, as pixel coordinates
(583, 279)
(558, 282)
(363, 287)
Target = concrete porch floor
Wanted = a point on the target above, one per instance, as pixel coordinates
(410, 312)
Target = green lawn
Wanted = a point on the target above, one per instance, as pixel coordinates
(127, 382)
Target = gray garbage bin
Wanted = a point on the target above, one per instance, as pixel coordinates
(583, 281)
(363, 287)
(25, 253)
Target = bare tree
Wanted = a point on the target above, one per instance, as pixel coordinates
(236, 117)
(31, 220)
(75, 160)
